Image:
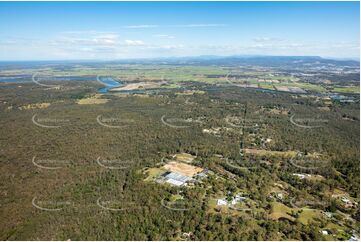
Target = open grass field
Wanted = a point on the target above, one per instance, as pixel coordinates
(269, 153)
(96, 99)
(308, 215)
(154, 173)
(279, 210)
(184, 157)
(347, 89)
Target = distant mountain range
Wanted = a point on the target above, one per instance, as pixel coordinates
(254, 60)
(269, 61)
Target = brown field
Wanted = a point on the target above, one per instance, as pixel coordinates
(138, 85)
(268, 81)
(277, 111)
(181, 168)
(282, 88)
(270, 153)
(184, 157)
(35, 106)
(189, 92)
(93, 100)
(290, 89)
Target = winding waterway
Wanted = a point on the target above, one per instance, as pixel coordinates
(109, 84)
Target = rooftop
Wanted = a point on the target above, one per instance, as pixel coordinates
(176, 179)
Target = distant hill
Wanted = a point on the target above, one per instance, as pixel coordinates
(265, 61)
(270, 61)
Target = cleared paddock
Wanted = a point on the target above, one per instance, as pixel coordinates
(183, 169)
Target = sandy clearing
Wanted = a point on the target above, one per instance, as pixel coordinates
(181, 168)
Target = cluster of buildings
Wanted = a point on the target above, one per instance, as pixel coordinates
(179, 178)
(175, 178)
(236, 199)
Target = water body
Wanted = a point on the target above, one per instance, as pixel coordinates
(15, 79)
(28, 78)
(109, 83)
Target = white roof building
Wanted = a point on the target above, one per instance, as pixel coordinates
(324, 232)
(176, 179)
(221, 202)
(235, 200)
(174, 182)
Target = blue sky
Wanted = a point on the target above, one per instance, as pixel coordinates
(117, 30)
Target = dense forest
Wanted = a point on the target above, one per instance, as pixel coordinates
(246, 151)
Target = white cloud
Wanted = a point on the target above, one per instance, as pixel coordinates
(84, 32)
(164, 36)
(145, 26)
(134, 42)
(106, 39)
(142, 26)
(180, 46)
(267, 39)
(110, 45)
(199, 25)
(86, 38)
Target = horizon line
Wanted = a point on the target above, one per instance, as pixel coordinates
(174, 57)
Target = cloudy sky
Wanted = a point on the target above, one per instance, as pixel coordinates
(118, 30)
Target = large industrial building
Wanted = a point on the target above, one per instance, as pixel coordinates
(175, 178)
